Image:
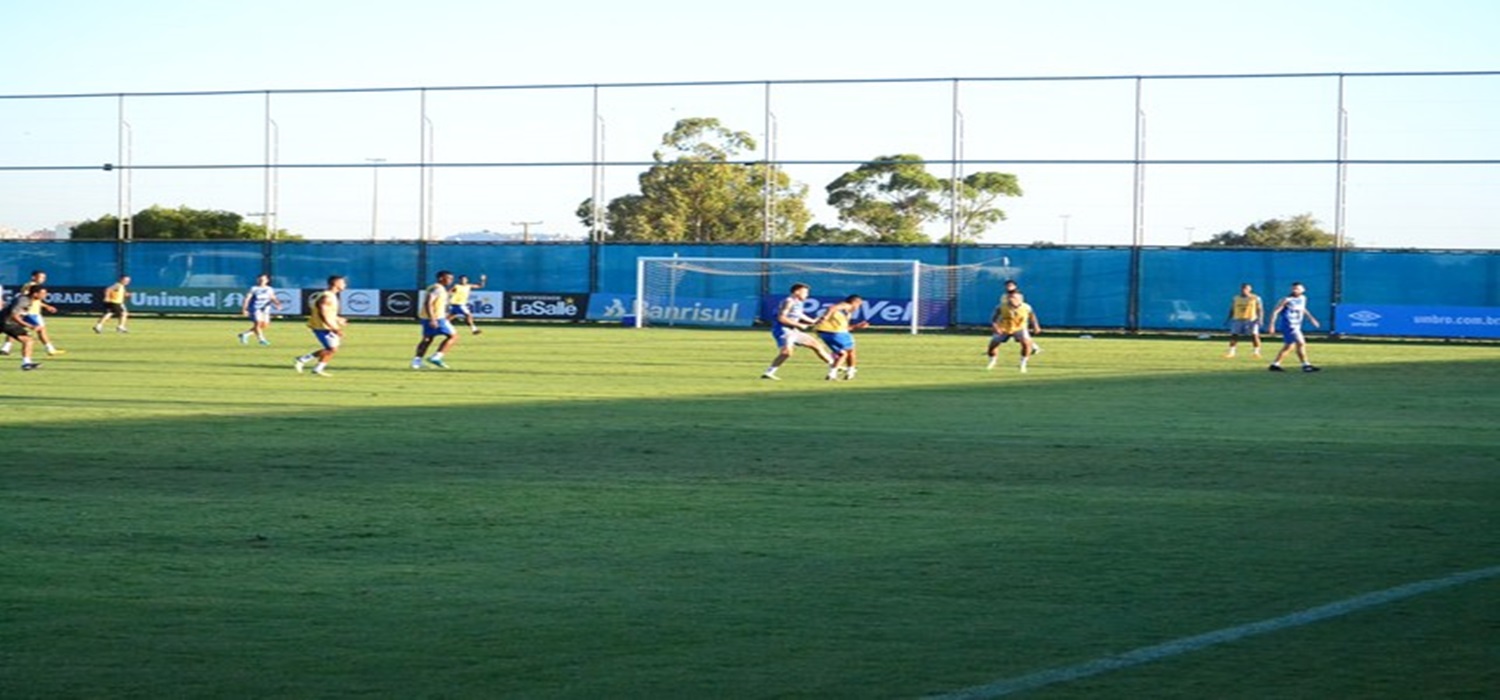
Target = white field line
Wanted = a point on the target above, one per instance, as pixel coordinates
(1032, 681)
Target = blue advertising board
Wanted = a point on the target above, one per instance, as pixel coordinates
(1418, 321)
(687, 311)
(878, 311)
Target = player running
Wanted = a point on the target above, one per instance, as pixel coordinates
(114, 305)
(834, 327)
(259, 301)
(1286, 318)
(15, 323)
(326, 324)
(1013, 318)
(458, 301)
(435, 322)
(787, 329)
(35, 306)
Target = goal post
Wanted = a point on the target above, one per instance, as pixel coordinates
(701, 291)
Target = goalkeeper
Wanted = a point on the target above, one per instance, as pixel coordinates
(788, 330)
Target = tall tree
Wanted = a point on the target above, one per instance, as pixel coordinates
(977, 195)
(891, 198)
(698, 192)
(1300, 231)
(181, 223)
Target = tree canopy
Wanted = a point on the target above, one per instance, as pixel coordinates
(181, 223)
(697, 192)
(1300, 231)
(891, 198)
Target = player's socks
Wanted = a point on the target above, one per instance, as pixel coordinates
(5, 349)
(833, 373)
(993, 360)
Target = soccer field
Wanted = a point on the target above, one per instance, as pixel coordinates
(592, 512)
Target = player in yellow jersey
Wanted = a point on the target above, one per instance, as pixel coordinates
(1013, 318)
(458, 300)
(433, 314)
(35, 306)
(1246, 316)
(15, 322)
(833, 327)
(326, 324)
(114, 305)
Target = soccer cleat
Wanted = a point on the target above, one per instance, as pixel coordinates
(4, 352)
(322, 372)
(1023, 369)
(243, 339)
(1229, 355)
(263, 341)
(1276, 368)
(122, 330)
(1036, 349)
(437, 362)
(770, 376)
(1311, 368)
(57, 351)
(850, 373)
(28, 366)
(97, 329)
(297, 364)
(476, 331)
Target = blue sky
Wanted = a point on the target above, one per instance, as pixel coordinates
(167, 45)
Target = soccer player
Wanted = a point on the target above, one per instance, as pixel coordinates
(1011, 286)
(257, 305)
(1013, 318)
(458, 301)
(435, 323)
(17, 326)
(1246, 314)
(834, 327)
(114, 305)
(35, 306)
(326, 324)
(787, 329)
(1286, 318)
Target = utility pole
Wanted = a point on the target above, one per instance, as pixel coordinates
(526, 229)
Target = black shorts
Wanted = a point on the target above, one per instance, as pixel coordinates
(15, 330)
(116, 309)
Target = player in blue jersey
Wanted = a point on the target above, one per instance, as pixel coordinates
(788, 330)
(1287, 318)
(258, 304)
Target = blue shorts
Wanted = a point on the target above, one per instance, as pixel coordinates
(328, 339)
(787, 336)
(459, 310)
(1291, 335)
(837, 342)
(443, 328)
(35, 320)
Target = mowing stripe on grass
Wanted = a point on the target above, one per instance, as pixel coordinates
(1184, 645)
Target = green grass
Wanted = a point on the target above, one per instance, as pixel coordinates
(600, 512)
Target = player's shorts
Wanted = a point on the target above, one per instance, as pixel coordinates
(328, 339)
(1244, 327)
(261, 315)
(15, 330)
(839, 341)
(443, 328)
(35, 320)
(1021, 336)
(112, 307)
(786, 336)
(459, 310)
(1291, 335)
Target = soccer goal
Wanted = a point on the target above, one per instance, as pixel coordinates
(682, 291)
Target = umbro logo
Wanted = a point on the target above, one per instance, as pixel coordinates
(1365, 316)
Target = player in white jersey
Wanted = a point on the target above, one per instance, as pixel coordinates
(791, 320)
(258, 304)
(1286, 318)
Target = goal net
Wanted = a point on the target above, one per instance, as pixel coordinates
(681, 291)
